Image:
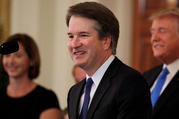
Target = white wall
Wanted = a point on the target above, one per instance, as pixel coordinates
(44, 20)
(122, 10)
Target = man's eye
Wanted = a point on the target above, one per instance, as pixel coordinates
(83, 35)
(152, 31)
(70, 36)
(162, 30)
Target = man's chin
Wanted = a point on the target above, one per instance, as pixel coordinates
(158, 55)
(81, 65)
(160, 58)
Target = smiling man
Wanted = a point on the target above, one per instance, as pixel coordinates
(111, 90)
(164, 79)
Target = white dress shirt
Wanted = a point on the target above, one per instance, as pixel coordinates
(97, 76)
(173, 68)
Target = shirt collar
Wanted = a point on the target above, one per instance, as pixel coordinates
(173, 67)
(97, 76)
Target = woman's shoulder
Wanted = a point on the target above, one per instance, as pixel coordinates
(45, 97)
(42, 91)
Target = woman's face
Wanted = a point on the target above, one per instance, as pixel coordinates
(16, 64)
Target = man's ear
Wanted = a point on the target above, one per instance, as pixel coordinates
(107, 42)
(31, 63)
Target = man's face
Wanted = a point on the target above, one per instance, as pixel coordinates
(165, 39)
(85, 47)
(79, 74)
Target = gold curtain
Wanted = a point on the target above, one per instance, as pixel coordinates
(4, 19)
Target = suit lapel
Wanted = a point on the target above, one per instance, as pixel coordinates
(102, 88)
(76, 99)
(172, 87)
(151, 78)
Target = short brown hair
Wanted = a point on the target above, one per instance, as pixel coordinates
(32, 51)
(107, 23)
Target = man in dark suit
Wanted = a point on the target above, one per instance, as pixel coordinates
(111, 90)
(165, 46)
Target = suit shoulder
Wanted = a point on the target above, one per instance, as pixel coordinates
(152, 70)
(123, 72)
(123, 68)
(76, 86)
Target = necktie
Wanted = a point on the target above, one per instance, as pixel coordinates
(86, 98)
(157, 89)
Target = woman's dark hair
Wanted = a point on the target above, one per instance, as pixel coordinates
(32, 51)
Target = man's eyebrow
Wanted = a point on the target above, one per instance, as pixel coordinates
(83, 32)
(68, 33)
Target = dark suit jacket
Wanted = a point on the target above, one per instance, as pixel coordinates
(122, 94)
(167, 106)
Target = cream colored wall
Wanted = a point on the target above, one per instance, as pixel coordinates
(122, 10)
(44, 20)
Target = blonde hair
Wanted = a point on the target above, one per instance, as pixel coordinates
(165, 12)
(169, 12)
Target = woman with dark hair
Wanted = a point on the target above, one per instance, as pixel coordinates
(23, 98)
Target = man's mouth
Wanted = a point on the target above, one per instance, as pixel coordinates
(158, 46)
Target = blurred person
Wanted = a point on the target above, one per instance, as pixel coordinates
(111, 90)
(164, 79)
(78, 73)
(65, 114)
(23, 98)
